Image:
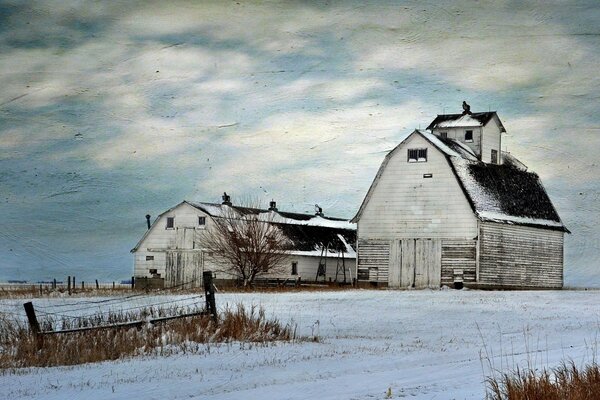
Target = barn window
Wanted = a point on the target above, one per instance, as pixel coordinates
(170, 222)
(294, 268)
(444, 135)
(153, 271)
(468, 136)
(494, 156)
(149, 258)
(201, 221)
(417, 155)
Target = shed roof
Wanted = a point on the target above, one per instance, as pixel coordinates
(465, 120)
(505, 193)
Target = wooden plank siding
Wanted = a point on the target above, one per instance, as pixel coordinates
(459, 256)
(373, 260)
(519, 256)
(403, 203)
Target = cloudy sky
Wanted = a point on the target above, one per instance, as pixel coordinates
(112, 110)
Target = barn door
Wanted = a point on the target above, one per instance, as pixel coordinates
(428, 270)
(183, 269)
(421, 263)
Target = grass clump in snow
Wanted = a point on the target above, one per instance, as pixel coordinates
(564, 382)
(19, 348)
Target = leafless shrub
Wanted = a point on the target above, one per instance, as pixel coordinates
(245, 243)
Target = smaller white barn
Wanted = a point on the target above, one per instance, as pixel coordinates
(170, 252)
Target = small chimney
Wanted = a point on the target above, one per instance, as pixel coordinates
(273, 205)
(226, 199)
(148, 220)
(318, 210)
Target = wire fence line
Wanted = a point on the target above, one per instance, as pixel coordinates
(122, 317)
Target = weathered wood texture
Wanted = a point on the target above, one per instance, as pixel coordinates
(184, 268)
(401, 263)
(520, 256)
(405, 204)
(373, 260)
(459, 261)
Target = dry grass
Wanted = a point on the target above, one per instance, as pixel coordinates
(19, 348)
(562, 383)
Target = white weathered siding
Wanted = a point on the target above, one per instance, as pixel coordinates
(373, 260)
(308, 265)
(520, 256)
(491, 141)
(159, 240)
(404, 204)
(459, 261)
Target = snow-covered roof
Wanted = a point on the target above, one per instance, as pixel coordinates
(505, 193)
(464, 120)
(308, 234)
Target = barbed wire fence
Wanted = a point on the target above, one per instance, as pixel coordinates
(125, 311)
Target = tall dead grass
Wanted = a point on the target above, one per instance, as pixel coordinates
(19, 348)
(566, 382)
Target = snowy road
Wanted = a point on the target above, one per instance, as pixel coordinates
(421, 344)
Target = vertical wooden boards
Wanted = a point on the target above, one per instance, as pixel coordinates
(428, 263)
(407, 275)
(183, 268)
(395, 264)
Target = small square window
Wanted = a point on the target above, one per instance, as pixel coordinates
(417, 155)
(149, 258)
(468, 136)
(444, 135)
(294, 268)
(170, 222)
(201, 221)
(153, 271)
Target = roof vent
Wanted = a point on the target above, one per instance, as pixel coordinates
(318, 210)
(466, 108)
(148, 220)
(273, 205)
(226, 199)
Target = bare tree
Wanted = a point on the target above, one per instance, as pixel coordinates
(245, 243)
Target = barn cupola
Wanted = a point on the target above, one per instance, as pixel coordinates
(480, 131)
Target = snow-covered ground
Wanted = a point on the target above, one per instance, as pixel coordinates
(421, 344)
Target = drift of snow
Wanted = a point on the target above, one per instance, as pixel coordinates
(421, 344)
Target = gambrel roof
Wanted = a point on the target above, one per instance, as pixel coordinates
(505, 193)
(465, 120)
(307, 234)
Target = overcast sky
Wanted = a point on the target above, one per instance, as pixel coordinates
(112, 110)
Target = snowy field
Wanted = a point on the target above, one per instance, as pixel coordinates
(421, 344)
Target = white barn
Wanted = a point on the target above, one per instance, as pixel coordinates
(170, 252)
(448, 207)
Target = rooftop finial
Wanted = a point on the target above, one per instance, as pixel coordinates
(466, 108)
(226, 199)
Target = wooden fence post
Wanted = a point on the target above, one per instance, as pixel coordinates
(73, 283)
(34, 324)
(82, 285)
(113, 285)
(54, 284)
(132, 282)
(209, 293)
(69, 284)
(97, 286)
(41, 292)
